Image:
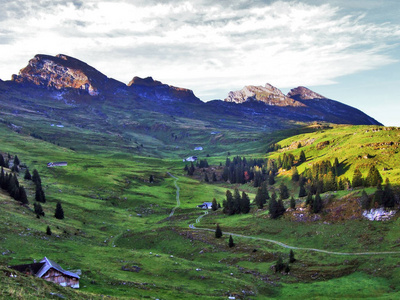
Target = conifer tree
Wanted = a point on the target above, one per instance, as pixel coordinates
(214, 205)
(151, 179)
(37, 207)
(39, 194)
(228, 203)
(317, 207)
(358, 179)
(283, 191)
(273, 207)
(291, 257)
(279, 266)
(214, 177)
(59, 213)
(36, 178)
(302, 157)
(48, 230)
(218, 232)
(388, 195)
(309, 200)
(302, 191)
(16, 161)
(236, 201)
(365, 202)
(27, 175)
(2, 161)
(259, 199)
(378, 196)
(373, 177)
(22, 195)
(231, 243)
(206, 177)
(245, 203)
(292, 203)
(271, 179)
(295, 174)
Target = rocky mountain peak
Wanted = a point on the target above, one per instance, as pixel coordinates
(148, 81)
(267, 94)
(61, 71)
(303, 93)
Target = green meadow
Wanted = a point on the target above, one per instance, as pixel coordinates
(118, 230)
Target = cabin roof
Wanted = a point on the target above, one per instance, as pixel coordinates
(48, 264)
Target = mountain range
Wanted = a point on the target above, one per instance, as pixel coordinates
(61, 88)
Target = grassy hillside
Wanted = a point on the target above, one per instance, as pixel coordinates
(354, 146)
(118, 230)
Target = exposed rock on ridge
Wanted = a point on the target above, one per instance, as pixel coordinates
(269, 94)
(148, 87)
(62, 71)
(303, 93)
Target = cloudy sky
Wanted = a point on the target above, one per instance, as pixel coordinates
(344, 50)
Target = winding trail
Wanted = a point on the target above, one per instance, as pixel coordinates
(192, 226)
(178, 202)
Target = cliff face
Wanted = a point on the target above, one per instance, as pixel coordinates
(268, 94)
(62, 71)
(303, 93)
(148, 87)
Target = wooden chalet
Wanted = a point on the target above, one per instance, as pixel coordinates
(50, 271)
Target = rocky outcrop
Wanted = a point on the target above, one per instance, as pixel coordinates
(62, 71)
(268, 94)
(150, 88)
(303, 93)
(378, 214)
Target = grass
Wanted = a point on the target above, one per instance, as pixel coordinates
(116, 219)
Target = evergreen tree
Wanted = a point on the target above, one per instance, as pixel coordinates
(38, 209)
(287, 268)
(39, 194)
(16, 161)
(218, 232)
(151, 179)
(365, 202)
(280, 208)
(245, 203)
(27, 175)
(309, 200)
(236, 202)
(373, 177)
(378, 196)
(302, 191)
(302, 157)
(36, 178)
(292, 203)
(291, 257)
(22, 195)
(317, 207)
(273, 207)
(2, 178)
(214, 177)
(295, 174)
(59, 213)
(259, 199)
(358, 179)
(388, 195)
(206, 177)
(279, 266)
(214, 205)
(283, 191)
(271, 179)
(2, 161)
(228, 203)
(48, 230)
(231, 243)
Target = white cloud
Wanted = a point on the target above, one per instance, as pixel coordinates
(203, 46)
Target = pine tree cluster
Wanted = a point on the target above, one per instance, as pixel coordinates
(236, 204)
(9, 181)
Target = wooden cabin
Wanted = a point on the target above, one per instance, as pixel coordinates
(50, 271)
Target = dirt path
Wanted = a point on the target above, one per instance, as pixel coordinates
(192, 226)
(178, 202)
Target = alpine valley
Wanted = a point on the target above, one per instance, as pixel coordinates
(302, 188)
